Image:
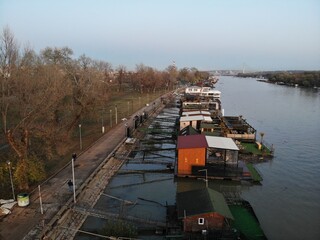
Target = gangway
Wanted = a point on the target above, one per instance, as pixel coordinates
(107, 215)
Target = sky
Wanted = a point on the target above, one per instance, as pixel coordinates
(255, 35)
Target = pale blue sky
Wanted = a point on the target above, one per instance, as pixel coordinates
(207, 34)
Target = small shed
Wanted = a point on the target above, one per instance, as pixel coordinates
(191, 152)
(202, 209)
(222, 149)
(194, 121)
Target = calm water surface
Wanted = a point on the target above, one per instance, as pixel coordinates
(288, 201)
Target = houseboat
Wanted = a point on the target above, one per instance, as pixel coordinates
(203, 92)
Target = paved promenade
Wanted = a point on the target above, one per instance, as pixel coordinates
(26, 223)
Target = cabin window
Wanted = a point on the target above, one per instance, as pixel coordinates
(200, 221)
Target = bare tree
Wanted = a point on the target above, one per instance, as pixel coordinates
(8, 61)
(172, 76)
(44, 97)
(104, 74)
(35, 94)
(56, 55)
(121, 76)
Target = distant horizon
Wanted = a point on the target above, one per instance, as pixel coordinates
(265, 35)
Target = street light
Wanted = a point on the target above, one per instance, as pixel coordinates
(128, 109)
(73, 181)
(12, 187)
(40, 199)
(80, 137)
(110, 118)
(116, 112)
(206, 180)
(102, 122)
(131, 105)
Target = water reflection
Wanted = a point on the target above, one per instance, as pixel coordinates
(140, 189)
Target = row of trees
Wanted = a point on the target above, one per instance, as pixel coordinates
(291, 78)
(44, 96)
(304, 79)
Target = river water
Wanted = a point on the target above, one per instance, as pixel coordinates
(287, 203)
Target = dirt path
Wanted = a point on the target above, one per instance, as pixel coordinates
(29, 223)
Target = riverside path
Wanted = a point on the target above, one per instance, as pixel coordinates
(57, 201)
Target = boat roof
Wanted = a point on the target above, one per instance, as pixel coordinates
(186, 113)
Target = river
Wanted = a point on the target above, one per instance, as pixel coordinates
(287, 203)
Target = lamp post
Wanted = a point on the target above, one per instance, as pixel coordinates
(261, 135)
(110, 118)
(206, 172)
(102, 122)
(80, 136)
(12, 187)
(40, 199)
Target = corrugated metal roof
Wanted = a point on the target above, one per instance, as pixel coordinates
(221, 143)
(192, 141)
(201, 201)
